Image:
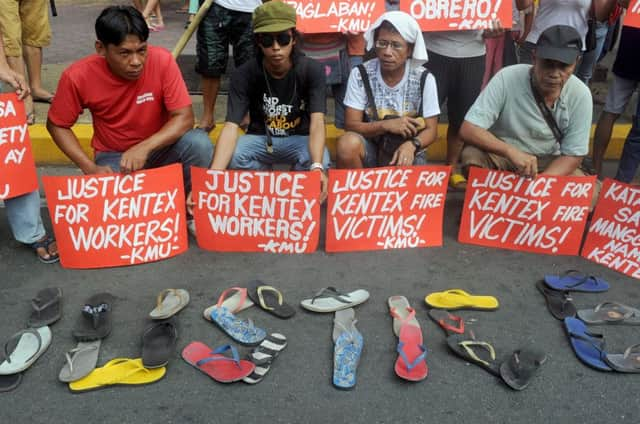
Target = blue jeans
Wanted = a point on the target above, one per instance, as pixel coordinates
(23, 213)
(251, 153)
(194, 148)
(584, 70)
(630, 159)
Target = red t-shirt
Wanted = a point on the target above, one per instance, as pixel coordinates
(124, 112)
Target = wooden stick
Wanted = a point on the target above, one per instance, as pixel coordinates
(186, 36)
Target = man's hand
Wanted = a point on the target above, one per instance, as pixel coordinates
(16, 81)
(404, 154)
(134, 158)
(324, 184)
(190, 203)
(495, 29)
(99, 169)
(404, 126)
(526, 164)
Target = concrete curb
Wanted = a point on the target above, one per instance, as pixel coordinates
(47, 153)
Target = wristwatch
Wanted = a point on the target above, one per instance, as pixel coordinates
(416, 143)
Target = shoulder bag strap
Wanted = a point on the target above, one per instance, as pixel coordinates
(546, 113)
(368, 91)
(423, 79)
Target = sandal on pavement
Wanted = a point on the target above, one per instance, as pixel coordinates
(330, 300)
(46, 306)
(451, 324)
(31, 344)
(460, 299)
(348, 345)
(45, 243)
(558, 302)
(221, 368)
(411, 364)
(270, 299)
(243, 332)
(158, 344)
(263, 356)
(574, 280)
(610, 313)
(119, 371)
(402, 313)
(518, 371)
(588, 347)
(236, 302)
(169, 302)
(10, 382)
(475, 351)
(629, 361)
(81, 360)
(95, 321)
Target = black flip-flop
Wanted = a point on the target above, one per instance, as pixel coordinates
(47, 307)
(10, 382)
(518, 371)
(559, 302)
(95, 321)
(44, 244)
(474, 351)
(269, 298)
(450, 323)
(158, 344)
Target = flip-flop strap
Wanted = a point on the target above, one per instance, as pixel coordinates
(95, 311)
(17, 336)
(455, 318)
(330, 292)
(41, 307)
(225, 294)
(163, 294)
(583, 279)
(409, 317)
(77, 350)
(219, 351)
(128, 374)
(625, 311)
(348, 331)
(468, 345)
(169, 325)
(261, 297)
(419, 358)
(595, 340)
(631, 349)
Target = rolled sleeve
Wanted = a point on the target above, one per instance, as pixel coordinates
(487, 108)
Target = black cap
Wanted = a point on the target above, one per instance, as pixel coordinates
(561, 43)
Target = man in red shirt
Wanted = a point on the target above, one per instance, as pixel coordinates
(141, 110)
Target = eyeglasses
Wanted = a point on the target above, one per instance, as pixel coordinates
(267, 40)
(395, 45)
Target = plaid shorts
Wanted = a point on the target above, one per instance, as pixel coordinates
(219, 28)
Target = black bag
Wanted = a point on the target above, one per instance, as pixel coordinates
(590, 38)
(387, 143)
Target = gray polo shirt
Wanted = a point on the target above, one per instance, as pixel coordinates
(507, 108)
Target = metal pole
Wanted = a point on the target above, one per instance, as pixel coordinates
(184, 39)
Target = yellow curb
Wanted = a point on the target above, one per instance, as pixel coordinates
(47, 153)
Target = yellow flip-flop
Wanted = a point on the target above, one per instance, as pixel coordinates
(460, 299)
(118, 371)
(457, 181)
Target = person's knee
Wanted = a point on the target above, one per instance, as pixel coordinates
(195, 147)
(348, 147)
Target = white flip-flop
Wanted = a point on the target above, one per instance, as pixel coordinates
(32, 343)
(169, 303)
(330, 300)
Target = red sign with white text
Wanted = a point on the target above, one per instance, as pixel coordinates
(256, 211)
(386, 208)
(345, 16)
(632, 15)
(546, 214)
(613, 239)
(17, 168)
(452, 15)
(116, 219)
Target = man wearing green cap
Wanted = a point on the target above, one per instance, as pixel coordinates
(284, 93)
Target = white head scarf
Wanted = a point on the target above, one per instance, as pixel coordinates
(408, 29)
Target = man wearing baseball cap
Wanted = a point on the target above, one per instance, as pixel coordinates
(284, 93)
(536, 118)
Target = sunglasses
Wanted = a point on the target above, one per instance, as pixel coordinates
(267, 40)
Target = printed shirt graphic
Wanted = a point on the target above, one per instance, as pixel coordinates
(282, 115)
(401, 100)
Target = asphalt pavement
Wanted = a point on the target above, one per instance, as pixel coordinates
(298, 388)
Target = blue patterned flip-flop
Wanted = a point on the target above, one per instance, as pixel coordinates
(347, 349)
(243, 332)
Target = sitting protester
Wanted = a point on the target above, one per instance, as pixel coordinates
(391, 102)
(536, 118)
(284, 93)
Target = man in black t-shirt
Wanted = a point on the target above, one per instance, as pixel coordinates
(284, 93)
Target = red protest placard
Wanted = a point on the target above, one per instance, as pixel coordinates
(632, 16)
(542, 215)
(451, 15)
(321, 16)
(17, 168)
(256, 211)
(385, 208)
(613, 239)
(115, 219)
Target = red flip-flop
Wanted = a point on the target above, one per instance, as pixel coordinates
(217, 366)
(411, 364)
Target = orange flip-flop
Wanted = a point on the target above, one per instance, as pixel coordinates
(411, 363)
(217, 366)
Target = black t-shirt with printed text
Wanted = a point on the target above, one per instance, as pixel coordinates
(284, 104)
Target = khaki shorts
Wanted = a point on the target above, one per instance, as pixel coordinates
(24, 22)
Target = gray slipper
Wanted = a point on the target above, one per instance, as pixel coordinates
(81, 360)
(629, 361)
(610, 313)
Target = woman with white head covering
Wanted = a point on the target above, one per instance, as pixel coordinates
(394, 122)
